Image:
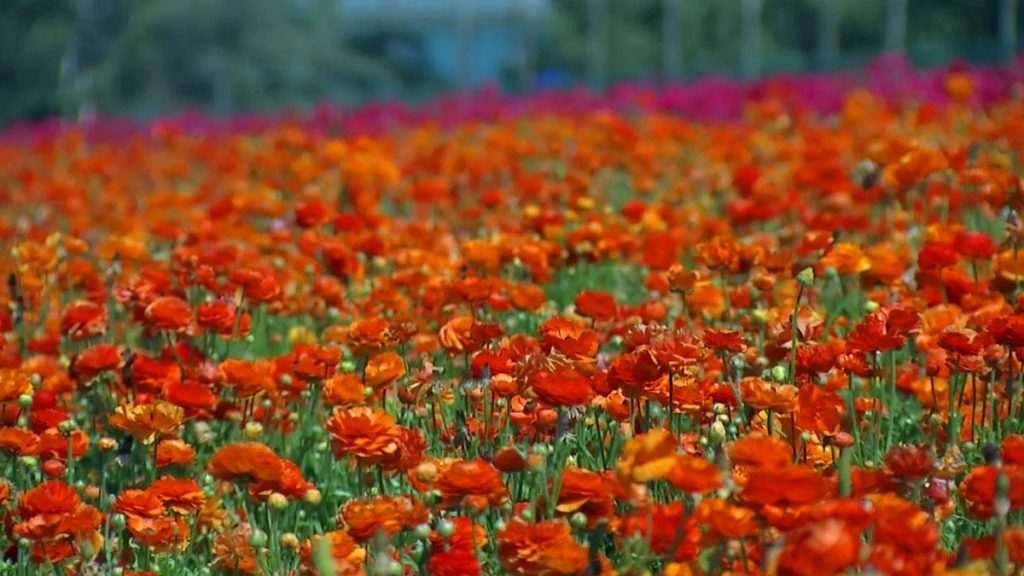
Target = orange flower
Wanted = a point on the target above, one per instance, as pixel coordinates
(13, 383)
(43, 508)
(142, 503)
(680, 279)
(147, 421)
(343, 389)
(756, 451)
(720, 253)
(472, 482)
(367, 435)
(845, 258)
(694, 475)
(346, 556)
(826, 547)
(455, 335)
(588, 492)
(290, 483)
(160, 533)
(649, 457)
(527, 297)
(248, 378)
(180, 495)
(173, 451)
(724, 520)
(913, 167)
(232, 551)
(18, 441)
(368, 336)
(169, 313)
(246, 461)
(362, 519)
(785, 485)
(384, 369)
(543, 549)
(667, 528)
(765, 395)
(55, 444)
(563, 388)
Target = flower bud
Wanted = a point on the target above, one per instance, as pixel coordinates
(290, 541)
(277, 501)
(426, 472)
(717, 431)
(253, 430)
(779, 373)
(578, 520)
(312, 496)
(258, 539)
(805, 277)
(445, 528)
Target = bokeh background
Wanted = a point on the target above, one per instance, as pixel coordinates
(143, 58)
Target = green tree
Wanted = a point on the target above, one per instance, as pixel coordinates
(33, 39)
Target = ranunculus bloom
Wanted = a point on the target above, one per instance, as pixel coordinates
(826, 547)
(596, 305)
(384, 369)
(975, 245)
(147, 421)
(362, 519)
(83, 320)
(563, 388)
(367, 435)
(169, 313)
(543, 548)
(935, 255)
(95, 359)
(649, 457)
(248, 378)
(474, 483)
(248, 461)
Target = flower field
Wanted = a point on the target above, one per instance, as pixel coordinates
(717, 329)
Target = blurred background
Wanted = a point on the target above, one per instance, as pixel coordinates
(142, 58)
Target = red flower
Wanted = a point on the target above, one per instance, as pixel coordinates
(909, 463)
(727, 340)
(83, 320)
(169, 313)
(882, 330)
(936, 255)
(1008, 330)
(563, 388)
(975, 245)
(311, 213)
(596, 305)
(91, 361)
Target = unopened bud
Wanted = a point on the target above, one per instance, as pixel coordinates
(805, 277)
